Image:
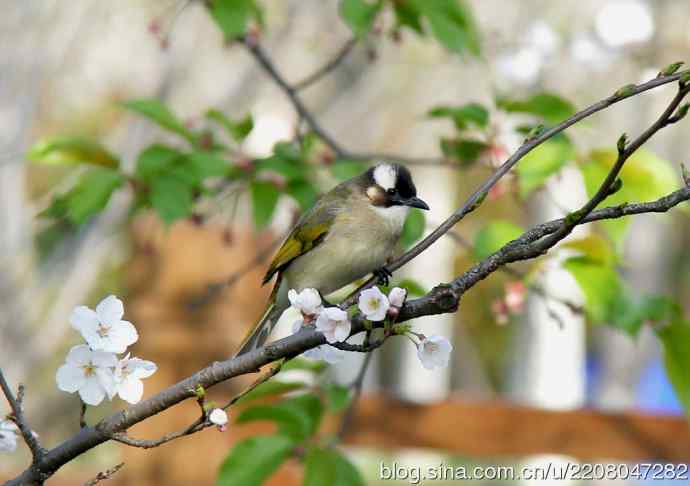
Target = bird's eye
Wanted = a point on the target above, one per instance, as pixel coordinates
(391, 191)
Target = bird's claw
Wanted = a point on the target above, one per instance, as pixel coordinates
(384, 275)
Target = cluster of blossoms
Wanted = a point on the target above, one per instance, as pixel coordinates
(334, 323)
(94, 369)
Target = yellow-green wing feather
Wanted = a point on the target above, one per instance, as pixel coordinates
(300, 241)
(309, 231)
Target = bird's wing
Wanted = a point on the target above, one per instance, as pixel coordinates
(311, 230)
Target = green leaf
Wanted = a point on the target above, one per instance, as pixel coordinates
(408, 15)
(337, 397)
(265, 197)
(346, 473)
(207, 164)
(343, 169)
(548, 106)
(303, 192)
(155, 160)
(238, 130)
(452, 23)
(675, 339)
(72, 150)
(463, 150)
(630, 315)
(414, 288)
(463, 116)
(253, 460)
(493, 236)
(304, 364)
(600, 285)
(271, 388)
(160, 114)
(233, 16)
(413, 228)
(171, 198)
(594, 247)
(297, 417)
(359, 15)
(319, 467)
(645, 178)
(291, 423)
(287, 168)
(328, 466)
(542, 162)
(91, 194)
(288, 151)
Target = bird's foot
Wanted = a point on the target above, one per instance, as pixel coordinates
(384, 275)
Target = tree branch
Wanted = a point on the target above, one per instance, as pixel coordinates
(18, 414)
(265, 62)
(333, 63)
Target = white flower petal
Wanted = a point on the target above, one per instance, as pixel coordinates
(121, 335)
(373, 304)
(308, 301)
(110, 310)
(141, 368)
(131, 390)
(104, 359)
(93, 339)
(79, 355)
(334, 324)
(70, 378)
(434, 352)
(311, 301)
(342, 332)
(218, 416)
(83, 318)
(297, 326)
(397, 296)
(106, 378)
(92, 393)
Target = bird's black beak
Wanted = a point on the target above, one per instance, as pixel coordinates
(415, 202)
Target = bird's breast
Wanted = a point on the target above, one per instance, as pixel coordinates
(356, 245)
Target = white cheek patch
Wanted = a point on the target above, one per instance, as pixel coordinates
(385, 176)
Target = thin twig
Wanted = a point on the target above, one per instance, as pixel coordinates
(107, 474)
(265, 62)
(329, 66)
(199, 424)
(18, 415)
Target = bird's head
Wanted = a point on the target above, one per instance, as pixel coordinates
(390, 185)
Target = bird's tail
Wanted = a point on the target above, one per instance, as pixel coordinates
(260, 331)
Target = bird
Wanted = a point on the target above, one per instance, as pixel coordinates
(350, 231)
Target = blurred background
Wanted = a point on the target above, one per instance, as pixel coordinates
(65, 66)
